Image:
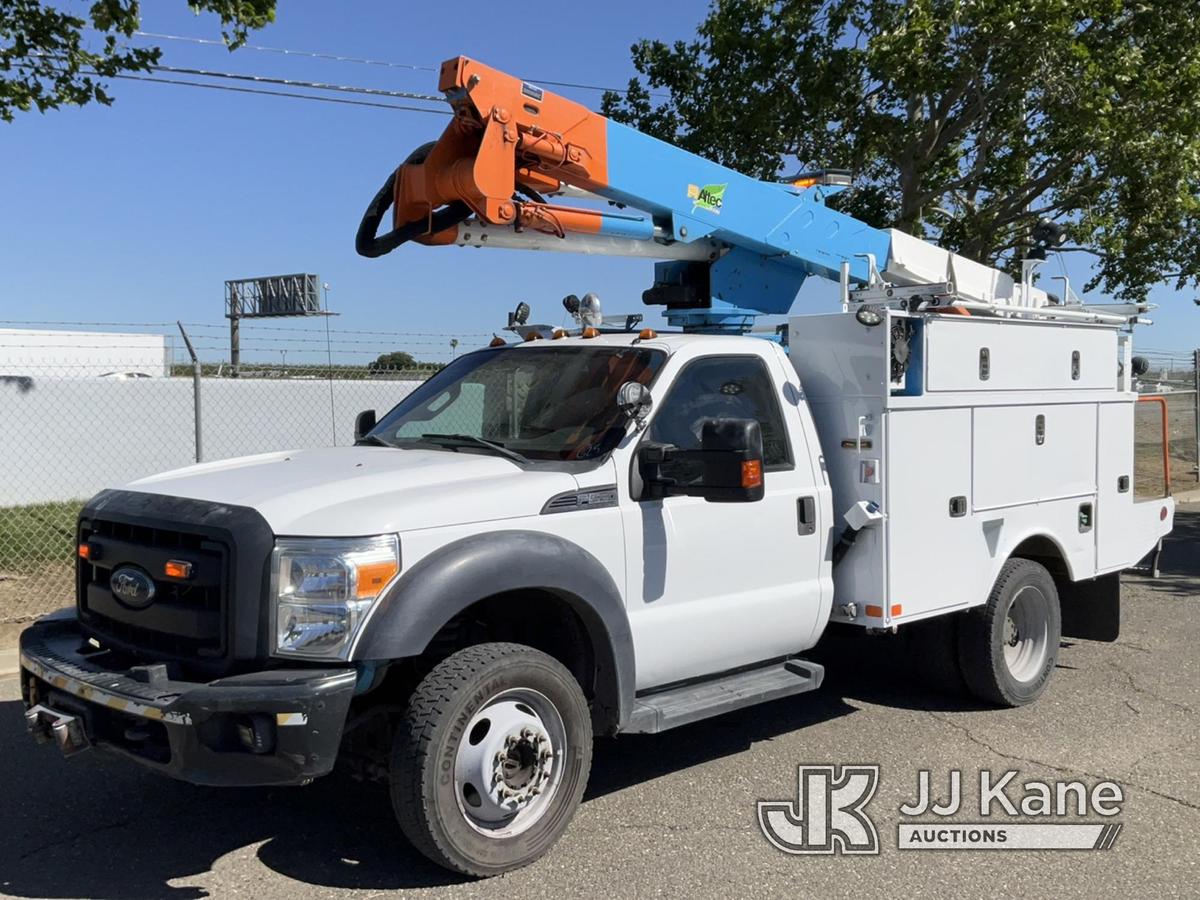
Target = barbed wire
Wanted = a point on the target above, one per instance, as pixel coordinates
(246, 323)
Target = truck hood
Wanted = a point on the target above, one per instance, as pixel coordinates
(366, 490)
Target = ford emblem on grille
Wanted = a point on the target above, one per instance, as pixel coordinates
(132, 587)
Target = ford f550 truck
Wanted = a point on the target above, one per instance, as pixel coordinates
(603, 530)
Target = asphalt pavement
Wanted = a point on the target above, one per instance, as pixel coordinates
(674, 814)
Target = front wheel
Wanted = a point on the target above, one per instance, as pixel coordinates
(491, 758)
(1008, 647)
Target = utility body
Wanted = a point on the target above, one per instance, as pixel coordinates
(608, 529)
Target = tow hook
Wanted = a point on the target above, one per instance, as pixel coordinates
(46, 724)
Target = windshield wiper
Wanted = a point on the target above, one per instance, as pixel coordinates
(493, 446)
(372, 440)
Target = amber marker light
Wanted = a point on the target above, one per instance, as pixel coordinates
(752, 473)
(372, 577)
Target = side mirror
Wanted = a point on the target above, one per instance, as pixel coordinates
(730, 463)
(363, 423)
(634, 400)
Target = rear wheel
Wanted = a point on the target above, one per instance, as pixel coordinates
(1008, 647)
(491, 758)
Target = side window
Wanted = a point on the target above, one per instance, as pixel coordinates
(736, 387)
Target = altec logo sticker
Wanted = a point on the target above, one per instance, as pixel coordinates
(710, 197)
(830, 815)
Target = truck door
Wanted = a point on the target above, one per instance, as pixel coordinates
(716, 586)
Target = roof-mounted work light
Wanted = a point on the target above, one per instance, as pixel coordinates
(821, 177)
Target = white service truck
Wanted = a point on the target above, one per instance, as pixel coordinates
(599, 531)
(558, 538)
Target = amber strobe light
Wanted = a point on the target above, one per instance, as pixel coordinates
(751, 473)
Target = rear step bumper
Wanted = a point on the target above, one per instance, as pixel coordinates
(687, 703)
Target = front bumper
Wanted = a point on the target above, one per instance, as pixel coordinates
(280, 726)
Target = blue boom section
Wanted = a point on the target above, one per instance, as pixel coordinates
(779, 234)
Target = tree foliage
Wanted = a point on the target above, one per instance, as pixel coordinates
(965, 121)
(47, 59)
(398, 359)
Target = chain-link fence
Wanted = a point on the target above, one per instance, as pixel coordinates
(1174, 376)
(69, 432)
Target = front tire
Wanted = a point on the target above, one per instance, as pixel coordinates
(1007, 648)
(491, 758)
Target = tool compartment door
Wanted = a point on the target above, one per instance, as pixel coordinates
(1119, 542)
(1033, 453)
(937, 557)
(976, 355)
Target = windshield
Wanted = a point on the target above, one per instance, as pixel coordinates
(544, 403)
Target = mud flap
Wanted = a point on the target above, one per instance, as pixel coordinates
(1091, 609)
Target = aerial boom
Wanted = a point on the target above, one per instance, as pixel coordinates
(515, 162)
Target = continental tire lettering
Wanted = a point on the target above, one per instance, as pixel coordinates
(450, 750)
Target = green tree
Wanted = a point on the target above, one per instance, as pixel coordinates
(47, 62)
(398, 359)
(965, 121)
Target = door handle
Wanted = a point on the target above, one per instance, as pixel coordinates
(806, 515)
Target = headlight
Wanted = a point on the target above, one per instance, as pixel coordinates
(322, 590)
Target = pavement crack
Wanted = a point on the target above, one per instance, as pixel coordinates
(1033, 761)
(71, 839)
(970, 735)
(1144, 691)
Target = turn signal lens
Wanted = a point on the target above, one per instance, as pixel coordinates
(751, 473)
(177, 568)
(85, 551)
(373, 577)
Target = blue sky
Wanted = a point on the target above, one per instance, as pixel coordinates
(139, 212)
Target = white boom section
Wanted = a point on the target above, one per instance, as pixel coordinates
(474, 233)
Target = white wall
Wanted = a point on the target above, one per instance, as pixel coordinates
(81, 353)
(67, 438)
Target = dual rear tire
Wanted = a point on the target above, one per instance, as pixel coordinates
(1007, 649)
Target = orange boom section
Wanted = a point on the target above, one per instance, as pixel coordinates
(506, 136)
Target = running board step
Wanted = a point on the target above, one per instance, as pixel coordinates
(693, 702)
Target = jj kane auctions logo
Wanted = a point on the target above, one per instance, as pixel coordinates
(829, 814)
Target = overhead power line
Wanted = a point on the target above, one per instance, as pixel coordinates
(313, 54)
(337, 57)
(288, 94)
(289, 82)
